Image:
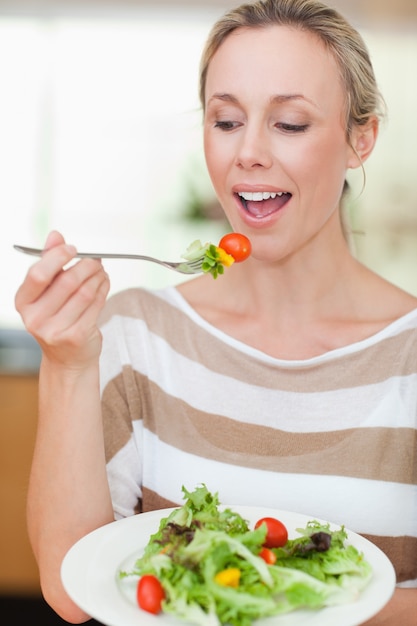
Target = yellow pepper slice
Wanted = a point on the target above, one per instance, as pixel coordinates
(229, 577)
(224, 258)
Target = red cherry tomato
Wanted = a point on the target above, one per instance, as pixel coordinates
(149, 594)
(276, 532)
(268, 556)
(237, 245)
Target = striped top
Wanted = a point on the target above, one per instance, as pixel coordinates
(333, 436)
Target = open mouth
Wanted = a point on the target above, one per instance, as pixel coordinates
(263, 203)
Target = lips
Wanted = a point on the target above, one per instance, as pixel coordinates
(261, 204)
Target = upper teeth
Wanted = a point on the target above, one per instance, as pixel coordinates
(259, 195)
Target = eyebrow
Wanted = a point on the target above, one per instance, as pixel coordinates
(280, 98)
(276, 99)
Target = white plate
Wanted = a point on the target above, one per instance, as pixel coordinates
(90, 574)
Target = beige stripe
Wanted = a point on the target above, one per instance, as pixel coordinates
(120, 401)
(371, 453)
(152, 501)
(351, 452)
(369, 366)
(402, 551)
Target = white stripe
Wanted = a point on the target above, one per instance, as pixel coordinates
(124, 473)
(364, 506)
(311, 412)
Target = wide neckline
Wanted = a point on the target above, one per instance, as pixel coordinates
(392, 328)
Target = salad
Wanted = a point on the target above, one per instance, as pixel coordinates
(232, 248)
(205, 565)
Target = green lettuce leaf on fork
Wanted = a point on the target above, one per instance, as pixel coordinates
(214, 259)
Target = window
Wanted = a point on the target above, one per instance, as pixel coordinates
(100, 128)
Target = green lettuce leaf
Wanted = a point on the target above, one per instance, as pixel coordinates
(198, 540)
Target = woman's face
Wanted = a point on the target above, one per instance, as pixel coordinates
(275, 137)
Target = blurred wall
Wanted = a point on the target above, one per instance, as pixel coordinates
(101, 133)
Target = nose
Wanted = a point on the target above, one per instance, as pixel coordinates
(253, 150)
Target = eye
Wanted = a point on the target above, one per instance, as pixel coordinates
(292, 128)
(226, 125)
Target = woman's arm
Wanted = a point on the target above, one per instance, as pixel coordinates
(68, 492)
(401, 610)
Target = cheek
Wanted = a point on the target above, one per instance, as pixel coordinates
(319, 171)
(216, 160)
(326, 159)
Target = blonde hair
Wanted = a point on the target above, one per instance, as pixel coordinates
(362, 97)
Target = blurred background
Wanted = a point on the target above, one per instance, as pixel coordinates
(100, 138)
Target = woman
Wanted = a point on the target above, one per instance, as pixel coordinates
(291, 380)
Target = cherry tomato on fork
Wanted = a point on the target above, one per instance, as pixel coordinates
(237, 245)
(276, 532)
(150, 593)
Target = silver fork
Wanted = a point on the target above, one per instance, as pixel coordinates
(184, 267)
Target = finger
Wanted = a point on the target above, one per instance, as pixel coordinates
(85, 317)
(42, 274)
(70, 286)
(74, 341)
(76, 322)
(53, 239)
(87, 302)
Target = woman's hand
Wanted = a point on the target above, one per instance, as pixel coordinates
(60, 304)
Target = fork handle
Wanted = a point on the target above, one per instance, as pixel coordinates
(89, 255)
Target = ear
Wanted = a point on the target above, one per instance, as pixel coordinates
(362, 142)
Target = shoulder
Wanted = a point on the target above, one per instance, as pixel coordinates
(135, 303)
(383, 300)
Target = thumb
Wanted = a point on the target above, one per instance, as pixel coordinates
(53, 239)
